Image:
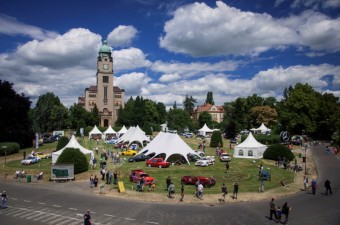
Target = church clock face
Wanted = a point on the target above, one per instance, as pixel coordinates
(105, 66)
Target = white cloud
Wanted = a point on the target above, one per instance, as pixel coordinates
(130, 58)
(121, 36)
(132, 83)
(10, 26)
(315, 4)
(199, 30)
(169, 77)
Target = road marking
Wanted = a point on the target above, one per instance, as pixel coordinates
(13, 199)
(109, 215)
(41, 203)
(129, 219)
(58, 206)
(27, 201)
(72, 208)
(152, 222)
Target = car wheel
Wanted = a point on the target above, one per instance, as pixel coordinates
(133, 154)
(123, 153)
(160, 166)
(149, 165)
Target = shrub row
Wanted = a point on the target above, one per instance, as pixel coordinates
(11, 148)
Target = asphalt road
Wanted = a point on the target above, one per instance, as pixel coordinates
(36, 205)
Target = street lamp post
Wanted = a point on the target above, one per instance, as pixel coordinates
(5, 147)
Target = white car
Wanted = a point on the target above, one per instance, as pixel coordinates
(225, 157)
(206, 161)
(201, 163)
(30, 160)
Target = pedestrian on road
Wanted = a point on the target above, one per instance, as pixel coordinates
(87, 218)
(279, 214)
(91, 181)
(285, 211)
(4, 199)
(272, 209)
(235, 190)
(95, 181)
(261, 186)
(305, 182)
(314, 184)
(328, 187)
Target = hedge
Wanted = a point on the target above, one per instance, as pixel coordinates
(275, 151)
(12, 148)
(76, 157)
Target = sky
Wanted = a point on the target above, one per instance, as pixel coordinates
(164, 50)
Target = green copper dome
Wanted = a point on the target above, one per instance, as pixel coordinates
(104, 48)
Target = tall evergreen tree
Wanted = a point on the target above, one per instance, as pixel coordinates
(210, 98)
(189, 104)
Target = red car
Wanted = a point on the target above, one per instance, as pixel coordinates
(157, 162)
(205, 181)
(136, 175)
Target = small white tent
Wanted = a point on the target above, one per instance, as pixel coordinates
(261, 129)
(95, 131)
(204, 130)
(109, 133)
(249, 148)
(134, 134)
(168, 144)
(122, 131)
(73, 143)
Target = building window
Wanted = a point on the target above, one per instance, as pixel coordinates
(250, 153)
(240, 153)
(118, 96)
(92, 96)
(105, 93)
(105, 79)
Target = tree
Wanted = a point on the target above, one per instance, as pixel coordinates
(264, 114)
(15, 121)
(230, 130)
(76, 157)
(189, 104)
(178, 119)
(210, 98)
(78, 113)
(203, 118)
(95, 117)
(216, 139)
(278, 150)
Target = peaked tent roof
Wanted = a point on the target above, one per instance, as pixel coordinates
(134, 134)
(123, 130)
(109, 130)
(73, 143)
(250, 142)
(95, 130)
(168, 144)
(205, 128)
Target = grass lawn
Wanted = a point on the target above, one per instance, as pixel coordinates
(244, 171)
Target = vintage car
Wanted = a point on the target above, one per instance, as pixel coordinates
(140, 157)
(206, 161)
(136, 175)
(205, 181)
(30, 160)
(157, 162)
(111, 141)
(225, 157)
(129, 152)
(43, 155)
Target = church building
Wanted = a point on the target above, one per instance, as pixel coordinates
(104, 95)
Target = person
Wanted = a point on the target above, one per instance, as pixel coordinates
(171, 190)
(224, 192)
(102, 172)
(328, 187)
(91, 181)
(272, 209)
(314, 184)
(95, 180)
(279, 214)
(4, 199)
(285, 211)
(196, 188)
(235, 190)
(150, 186)
(87, 218)
(227, 166)
(262, 186)
(182, 193)
(107, 176)
(153, 186)
(282, 183)
(94, 163)
(200, 191)
(142, 182)
(115, 177)
(168, 182)
(40, 175)
(305, 182)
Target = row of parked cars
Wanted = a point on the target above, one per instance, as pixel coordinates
(35, 158)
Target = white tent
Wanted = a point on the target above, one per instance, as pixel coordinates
(249, 148)
(168, 144)
(95, 131)
(134, 134)
(73, 143)
(122, 131)
(261, 129)
(204, 130)
(109, 132)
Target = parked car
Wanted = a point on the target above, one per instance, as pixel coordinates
(244, 132)
(233, 141)
(56, 137)
(136, 175)
(42, 155)
(111, 141)
(188, 135)
(201, 163)
(157, 162)
(206, 161)
(48, 140)
(30, 160)
(129, 152)
(193, 157)
(140, 157)
(225, 157)
(205, 181)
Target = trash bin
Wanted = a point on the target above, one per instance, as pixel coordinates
(304, 159)
(300, 155)
(28, 178)
(102, 189)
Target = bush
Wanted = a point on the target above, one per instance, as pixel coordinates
(268, 139)
(12, 148)
(76, 157)
(216, 138)
(276, 150)
(62, 142)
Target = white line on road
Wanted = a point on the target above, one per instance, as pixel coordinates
(41, 203)
(152, 222)
(58, 206)
(72, 208)
(13, 199)
(129, 219)
(109, 215)
(27, 201)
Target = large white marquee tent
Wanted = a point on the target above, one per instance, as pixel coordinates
(249, 148)
(134, 134)
(168, 144)
(109, 132)
(73, 143)
(204, 130)
(95, 131)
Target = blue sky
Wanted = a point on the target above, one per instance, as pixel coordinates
(165, 50)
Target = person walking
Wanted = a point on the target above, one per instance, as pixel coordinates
(224, 192)
(168, 182)
(227, 167)
(305, 182)
(4, 199)
(91, 181)
(285, 211)
(182, 193)
(95, 181)
(272, 209)
(87, 218)
(200, 191)
(235, 190)
(115, 177)
(314, 185)
(328, 187)
(261, 186)
(171, 190)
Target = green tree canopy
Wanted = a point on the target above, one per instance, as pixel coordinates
(210, 98)
(76, 157)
